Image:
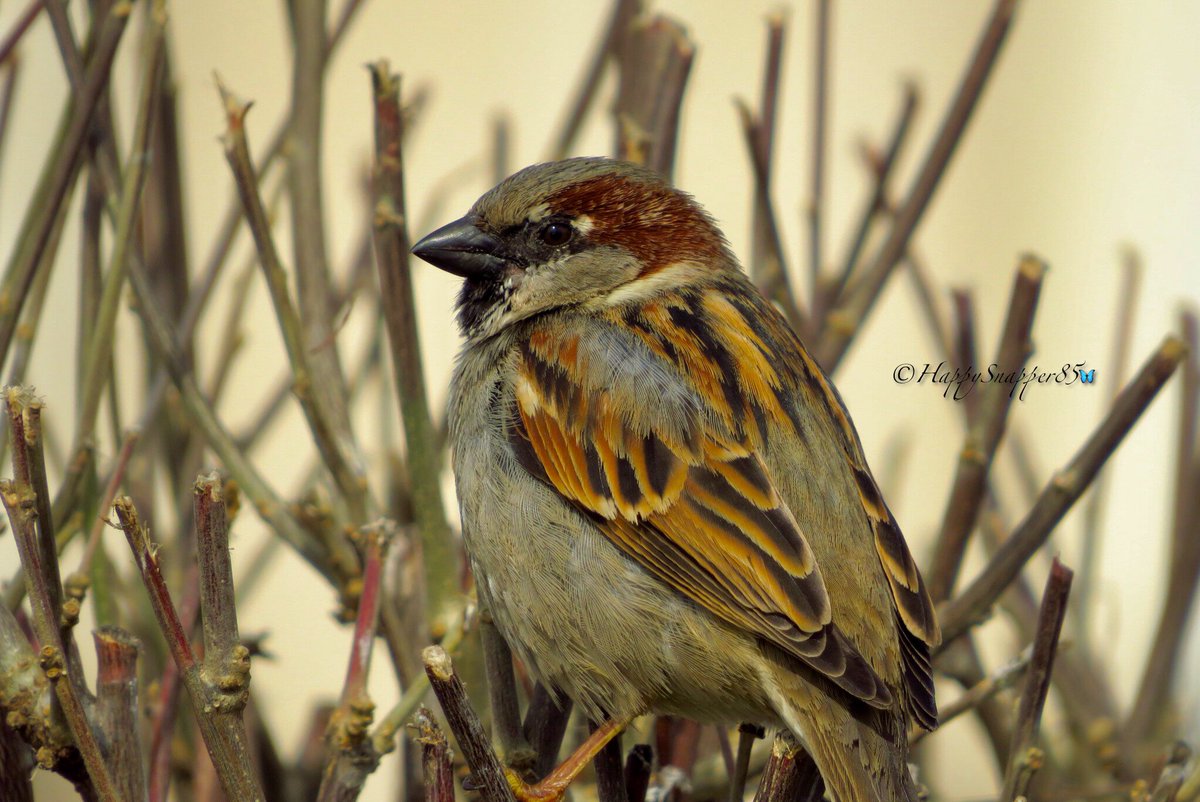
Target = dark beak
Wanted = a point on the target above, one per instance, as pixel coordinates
(463, 249)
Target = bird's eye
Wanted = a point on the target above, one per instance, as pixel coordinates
(555, 234)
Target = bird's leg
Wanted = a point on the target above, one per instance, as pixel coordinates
(552, 787)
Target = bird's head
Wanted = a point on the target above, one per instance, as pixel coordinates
(569, 233)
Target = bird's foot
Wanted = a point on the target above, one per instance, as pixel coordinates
(554, 785)
(550, 789)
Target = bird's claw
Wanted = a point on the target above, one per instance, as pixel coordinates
(548, 790)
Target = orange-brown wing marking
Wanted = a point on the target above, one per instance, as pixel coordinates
(918, 630)
(705, 518)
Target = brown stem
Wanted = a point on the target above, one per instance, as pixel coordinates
(1062, 492)
(163, 726)
(983, 437)
(848, 318)
(772, 276)
(881, 174)
(226, 660)
(820, 124)
(764, 240)
(314, 291)
(1183, 575)
(98, 360)
(545, 726)
(502, 692)
(117, 708)
(486, 772)
(21, 505)
(8, 91)
(1093, 510)
(623, 13)
(747, 735)
(351, 755)
(654, 60)
(1024, 756)
(58, 177)
(637, 772)
(322, 421)
(9, 43)
(789, 776)
(964, 343)
(218, 705)
(435, 759)
(439, 550)
(610, 770)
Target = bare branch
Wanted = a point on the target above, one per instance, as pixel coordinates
(966, 609)
(847, 319)
(820, 124)
(983, 437)
(1024, 756)
(217, 700)
(654, 59)
(117, 708)
(486, 772)
(440, 552)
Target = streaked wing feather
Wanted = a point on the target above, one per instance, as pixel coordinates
(707, 521)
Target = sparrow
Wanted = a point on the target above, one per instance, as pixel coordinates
(665, 503)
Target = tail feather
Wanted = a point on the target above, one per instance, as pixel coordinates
(857, 763)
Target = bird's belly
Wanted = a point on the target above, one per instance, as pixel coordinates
(584, 617)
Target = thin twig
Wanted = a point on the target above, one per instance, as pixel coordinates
(351, 755)
(502, 691)
(623, 13)
(637, 772)
(21, 504)
(487, 773)
(435, 758)
(847, 319)
(790, 775)
(310, 252)
(117, 708)
(58, 177)
(764, 243)
(321, 420)
(609, 766)
(170, 686)
(439, 550)
(654, 60)
(218, 712)
(747, 735)
(8, 91)
(1183, 573)
(983, 437)
(545, 726)
(966, 609)
(820, 125)
(9, 43)
(1093, 510)
(963, 349)
(1024, 756)
(881, 173)
(773, 272)
(101, 340)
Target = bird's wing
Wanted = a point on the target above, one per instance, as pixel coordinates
(919, 631)
(665, 461)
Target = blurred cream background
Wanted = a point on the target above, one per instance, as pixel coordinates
(1085, 139)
